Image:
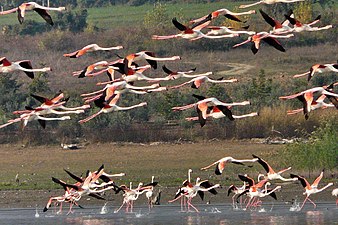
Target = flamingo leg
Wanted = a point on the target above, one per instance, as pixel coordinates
(314, 204)
(304, 202)
(190, 204)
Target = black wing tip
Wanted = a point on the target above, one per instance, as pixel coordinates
(45, 209)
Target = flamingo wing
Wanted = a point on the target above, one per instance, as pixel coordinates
(199, 97)
(166, 70)
(272, 194)
(254, 49)
(273, 42)
(178, 25)
(45, 15)
(27, 65)
(302, 180)
(232, 17)
(269, 19)
(40, 98)
(77, 178)
(265, 165)
(226, 111)
(333, 100)
(42, 123)
(247, 179)
(4, 62)
(206, 184)
(231, 189)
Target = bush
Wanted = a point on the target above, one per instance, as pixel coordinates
(319, 152)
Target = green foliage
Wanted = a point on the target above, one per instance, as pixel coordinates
(157, 17)
(75, 20)
(39, 84)
(319, 152)
(12, 97)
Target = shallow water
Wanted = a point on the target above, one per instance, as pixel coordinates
(325, 213)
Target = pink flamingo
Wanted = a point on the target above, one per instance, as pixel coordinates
(320, 68)
(41, 10)
(90, 48)
(224, 12)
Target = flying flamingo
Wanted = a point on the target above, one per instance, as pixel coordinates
(269, 2)
(198, 81)
(307, 96)
(266, 37)
(192, 33)
(220, 164)
(110, 107)
(271, 174)
(220, 30)
(173, 75)
(309, 105)
(224, 12)
(119, 87)
(41, 10)
(149, 57)
(310, 189)
(299, 27)
(218, 112)
(278, 27)
(90, 48)
(320, 68)
(25, 65)
(210, 102)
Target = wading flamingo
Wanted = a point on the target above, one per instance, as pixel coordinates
(310, 189)
(237, 191)
(25, 65)
(256, 191)
(90, 48)
(41, 10)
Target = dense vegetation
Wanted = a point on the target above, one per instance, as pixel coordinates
(269, 77)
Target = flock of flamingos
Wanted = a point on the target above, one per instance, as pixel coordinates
(123, 74)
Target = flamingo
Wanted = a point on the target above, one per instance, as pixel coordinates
(220, 30)
(90, 48)
(307, 96)
(300, 27)
(269, 2)
(149, 57)
(224, 12)
(271, 174)
(220, 164)
(309, 104)
(173, 75)
(210, 102)
(119, 87)
(41, 10)
(25, 65)
(310, 189)
(110, 107)
(335, 193)
(183, 190)
(255, 190)
(150, 192)
(320, 68)
(278, 27)
(192, 33)
(268, 38)
(217, 112)
(236, 191)
(198, 81)
(131, 195)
